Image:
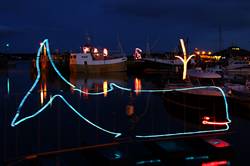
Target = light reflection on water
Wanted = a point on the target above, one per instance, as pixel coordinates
(57, 128)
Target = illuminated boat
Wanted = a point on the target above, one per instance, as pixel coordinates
(92, 60)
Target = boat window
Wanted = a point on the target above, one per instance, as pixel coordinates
(75, 56)
(85, 63)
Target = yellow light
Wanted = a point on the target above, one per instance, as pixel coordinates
(209, 53)
(203, 52)
(236, 48)
(198, 52)
(105, 88)
(41, 95)
(184, 59)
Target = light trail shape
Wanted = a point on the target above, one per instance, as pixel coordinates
(112, 86)
(185, 59)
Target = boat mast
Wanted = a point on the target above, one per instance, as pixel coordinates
(220, 38)
(120, 45)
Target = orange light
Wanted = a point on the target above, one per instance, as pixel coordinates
(198, 52)
(45, 91)
(203, 52)
(137, 85)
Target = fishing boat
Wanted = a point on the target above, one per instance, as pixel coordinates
(93, 60)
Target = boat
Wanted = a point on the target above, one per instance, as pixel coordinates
(164, 63)
(240, 94)
(92, 60)
(198, 95)
(196, 79)
(199, 77)
(238, 67)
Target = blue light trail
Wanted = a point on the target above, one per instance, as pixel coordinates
(112, 86)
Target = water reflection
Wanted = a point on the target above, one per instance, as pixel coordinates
(8, 86)
(43, 92)
(137, 86)
(128, 112)
(105, 88)
(97, 83)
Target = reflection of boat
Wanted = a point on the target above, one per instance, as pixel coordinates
(91, 60)
(97, 82)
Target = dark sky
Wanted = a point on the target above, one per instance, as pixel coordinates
(24, 23)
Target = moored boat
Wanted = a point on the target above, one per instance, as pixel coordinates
(200, 93)
(91, 60)
(238, 67)
(240, 94)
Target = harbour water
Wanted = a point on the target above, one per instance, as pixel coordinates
(94, 118)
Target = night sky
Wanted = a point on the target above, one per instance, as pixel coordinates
(24, 23)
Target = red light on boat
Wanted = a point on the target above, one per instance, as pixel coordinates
(205, 122)
(215, 163)
(206, 118)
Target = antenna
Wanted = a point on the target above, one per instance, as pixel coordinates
(147, 48)
(119, 44)
(87, 38)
